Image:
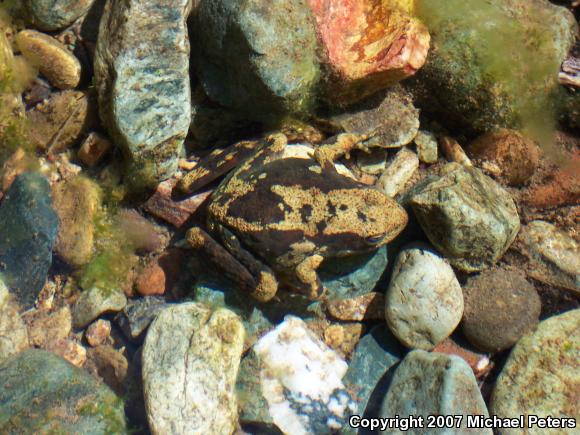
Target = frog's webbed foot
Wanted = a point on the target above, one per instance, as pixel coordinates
(308, 281)
(260, 282)
(337, 147)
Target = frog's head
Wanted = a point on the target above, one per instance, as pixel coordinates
(362, 220)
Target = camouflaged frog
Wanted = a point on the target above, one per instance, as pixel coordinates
(279, 219)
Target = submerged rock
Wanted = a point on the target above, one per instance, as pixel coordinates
(541, 375)
(95, 301)
(138, 314)
(142, 78)
(13, 334)
(42, 393)
(467, 216)
(55, 14)
(28, 230)
(191, 358)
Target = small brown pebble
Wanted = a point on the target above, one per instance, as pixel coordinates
(479, 363)
(98, 332)
(453, 151)
(45, 327)
(70, 350)
(366, 307)
(94, 148)
(109, 365)
(151, 281)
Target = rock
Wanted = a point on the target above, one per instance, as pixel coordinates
(467, 216)
(301, 379)
(426, 143)
(98, 332)
(367, 45)
(70, 350)
(109, 365)
(55, 62)
(424, 302)
(13, 334)
(353, 276)
(93, 149)
(369, 306)
(373, 162)
(36, 386)
(142, 79)
(229, 35)
(174, 211)
(76, 201)
(454, 151)
(59, 123)
(342, 337)
(541, 375)
(500, 307)
(143, 234)
(46, 328)
(368, 373)
(253, 405)
(389, 119)
(96, 301)
(53, 15)
(400, 170)
(554, 256)
(507, 154)
(160, 274)
(28, 229)
(434, 384)
(190, 362)
(138, 314)
(493, 85)
(479, 363)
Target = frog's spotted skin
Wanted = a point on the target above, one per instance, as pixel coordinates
(282, 217)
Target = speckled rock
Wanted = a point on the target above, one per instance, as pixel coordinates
(191, 358)
(36, 386)
(426, 143)
(541, 375)
(53, 59)
(467, 216)
(500, 307)
(13, 334)
(28, 229)
(301, 379)
(369, 371)
(98, 332)
(55, 14)
(96, 301)
(142, 79)
(254, 59)
(400, 170)
(76, 201)
(138, 314)
(553, 255)
(424, 302)
(434, 384)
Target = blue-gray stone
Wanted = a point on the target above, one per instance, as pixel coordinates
(138, 314)
(55, 14)
(42, 393)
(257, 58)
(28, 230)
(357, 275)
(370, 371)
(142, 79)
(433, 384)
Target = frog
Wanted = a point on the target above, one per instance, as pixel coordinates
(272, 222)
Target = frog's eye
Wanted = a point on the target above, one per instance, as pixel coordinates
(374, 240)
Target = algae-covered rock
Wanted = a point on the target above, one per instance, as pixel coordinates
(42, 393)
(254, 58)
(142, 78)
(467, 216)
(55, 14)
(191, 358)
(95, 301)
(478, 73)
(28, 229)
(541, 375)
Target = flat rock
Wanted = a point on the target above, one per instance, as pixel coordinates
(138, 314)
(500, 307)
(254, 59)
(301, 379)
(191, 358)
(142, 79)
(55, 14)
(467, 216)
(424, 301)
(13, 334)
(96, 301)
(541, 375)
(36, 386)
(434, 384)
(28, 230)
(553, 255)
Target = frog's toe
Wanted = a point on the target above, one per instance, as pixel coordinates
(266, 288)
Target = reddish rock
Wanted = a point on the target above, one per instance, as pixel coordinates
(368, 44)
(109, 365)
(98, 332)
(175, 211)
(562, 188)
(94, 149)
(159, 274)
(479, 363)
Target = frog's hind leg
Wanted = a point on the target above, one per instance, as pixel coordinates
(257, 280)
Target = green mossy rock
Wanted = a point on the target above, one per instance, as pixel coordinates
(53, 15)
(42, 393)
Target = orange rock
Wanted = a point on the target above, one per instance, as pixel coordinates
(93, 149)
(563, 187)
(159, 274)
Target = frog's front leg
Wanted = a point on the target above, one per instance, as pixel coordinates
(257, 279)
(308, 281)
(337, 147)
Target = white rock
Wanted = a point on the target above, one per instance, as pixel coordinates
(424, 301)
(426, 146)
(13, 333)
(401, 169)
(301, 380)
(191, 358)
